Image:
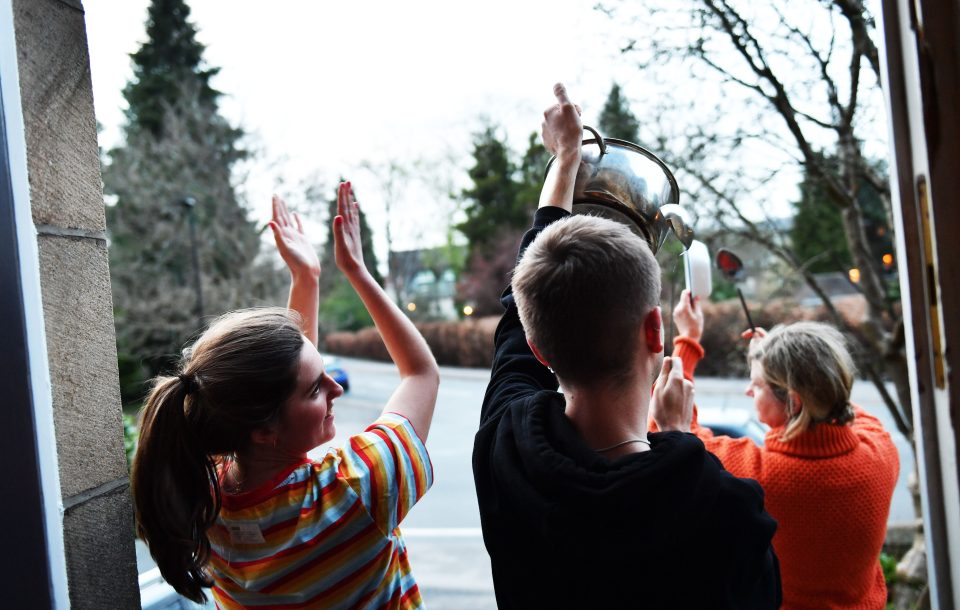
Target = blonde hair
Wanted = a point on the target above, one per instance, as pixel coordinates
(583, 289)
(811, 360)
(233, 380)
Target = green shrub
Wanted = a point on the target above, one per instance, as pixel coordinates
(465, 343)
(888, 563)
(342, 309)
(470, 342)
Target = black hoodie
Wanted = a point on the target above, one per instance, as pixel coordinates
(567, 528)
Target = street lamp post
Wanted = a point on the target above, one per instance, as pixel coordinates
(189, 203)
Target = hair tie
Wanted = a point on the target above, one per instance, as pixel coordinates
(189, 382)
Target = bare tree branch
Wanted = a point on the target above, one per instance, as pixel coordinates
(860, 26)
(872, 342)
(833, 96)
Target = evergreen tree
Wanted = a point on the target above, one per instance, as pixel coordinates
(532, 171)
(177, 145)
(817, 232)
(170, 57)
(818, 236)
(616, 120)
(500, 206)
(492, 202)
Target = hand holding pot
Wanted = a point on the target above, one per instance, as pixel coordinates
(562, 136)
(562, 129)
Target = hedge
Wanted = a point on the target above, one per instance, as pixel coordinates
(469, 343)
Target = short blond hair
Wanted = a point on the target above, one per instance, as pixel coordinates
(583, 289)
(812, 360)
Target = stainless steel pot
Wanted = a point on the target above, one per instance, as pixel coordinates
(629, 184)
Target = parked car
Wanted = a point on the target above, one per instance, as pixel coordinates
(335, 369)
(735, 423)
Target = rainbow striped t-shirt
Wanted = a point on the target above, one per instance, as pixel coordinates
(324, 534)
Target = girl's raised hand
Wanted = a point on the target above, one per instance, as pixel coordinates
(757, 333)
(755, 337)
(348, 247)
(292, 243)
(688, 316)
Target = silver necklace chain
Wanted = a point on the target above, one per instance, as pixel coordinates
(622, 443)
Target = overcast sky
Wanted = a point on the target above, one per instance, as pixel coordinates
(325, 86)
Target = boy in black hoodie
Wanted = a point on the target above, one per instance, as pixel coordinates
(580, 507)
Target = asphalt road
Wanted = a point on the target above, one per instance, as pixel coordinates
(443, 530)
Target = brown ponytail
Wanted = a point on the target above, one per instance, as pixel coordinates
(233, 380)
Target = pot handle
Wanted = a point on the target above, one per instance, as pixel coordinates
(600, 143)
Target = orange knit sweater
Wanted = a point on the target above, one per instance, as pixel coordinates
(829, 489)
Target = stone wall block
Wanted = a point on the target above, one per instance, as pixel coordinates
(78, 312)
(101, 565)
(61, 131)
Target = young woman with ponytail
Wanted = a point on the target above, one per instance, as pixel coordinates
(225, 494)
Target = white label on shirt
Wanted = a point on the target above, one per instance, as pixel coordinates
(245, 532)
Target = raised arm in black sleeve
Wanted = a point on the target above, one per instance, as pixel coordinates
(516, 372)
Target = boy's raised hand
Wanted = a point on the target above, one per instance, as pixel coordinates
(348, 247)
(562, 129)
(292, 243)
(671, 405)
(562, 136)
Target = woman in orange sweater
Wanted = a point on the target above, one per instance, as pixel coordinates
(827, 467)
